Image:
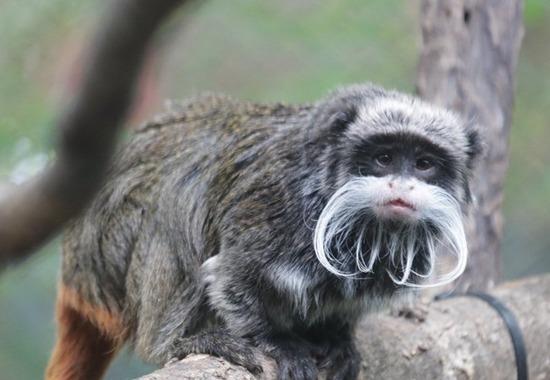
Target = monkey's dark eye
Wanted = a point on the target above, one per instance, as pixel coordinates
(424, 164)
(383, 159)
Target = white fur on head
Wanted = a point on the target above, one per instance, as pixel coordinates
(400, 113)
(356, 207)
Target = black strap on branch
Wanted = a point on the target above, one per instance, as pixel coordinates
(511, 323)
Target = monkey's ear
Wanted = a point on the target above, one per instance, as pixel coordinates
(342, 119)
(333, 115)
(332, 120)
(474, 149)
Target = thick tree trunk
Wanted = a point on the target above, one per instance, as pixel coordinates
(459, 338)
(468, 60)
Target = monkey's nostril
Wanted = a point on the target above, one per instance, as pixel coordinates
(411, 187)
(390, 184)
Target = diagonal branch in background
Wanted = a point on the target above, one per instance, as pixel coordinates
(468, 63)
(34, 212)
(459, 338)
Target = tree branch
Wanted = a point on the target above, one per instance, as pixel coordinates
(458, 338)
(34, 212)
(468, 63)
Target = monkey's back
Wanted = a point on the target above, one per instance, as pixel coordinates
(165, 192)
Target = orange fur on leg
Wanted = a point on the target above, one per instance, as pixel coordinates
(87, 339)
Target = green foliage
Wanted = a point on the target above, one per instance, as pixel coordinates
(29, 34)
(536, 11)
(305, 47)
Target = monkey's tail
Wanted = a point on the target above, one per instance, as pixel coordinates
(88, 337)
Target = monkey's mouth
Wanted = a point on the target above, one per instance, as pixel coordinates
(400, 203)
(397, 209)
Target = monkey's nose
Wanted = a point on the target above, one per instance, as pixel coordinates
(390, 184)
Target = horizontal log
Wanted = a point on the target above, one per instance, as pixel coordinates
(457, 338)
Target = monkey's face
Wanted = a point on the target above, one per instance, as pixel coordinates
(399, 167)
(399, 200)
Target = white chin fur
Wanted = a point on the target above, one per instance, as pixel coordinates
(364, 200)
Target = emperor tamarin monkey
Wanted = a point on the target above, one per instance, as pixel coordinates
(233, 228)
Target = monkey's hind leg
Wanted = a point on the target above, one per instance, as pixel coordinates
(88, 337)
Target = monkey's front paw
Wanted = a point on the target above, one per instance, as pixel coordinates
(294, 360)
(342, 361)
(221, 344)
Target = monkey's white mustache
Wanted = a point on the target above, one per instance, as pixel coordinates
(350, 212)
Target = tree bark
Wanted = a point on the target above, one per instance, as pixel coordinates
(468, 61)
(458, 338)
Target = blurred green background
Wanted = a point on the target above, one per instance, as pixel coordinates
(292, 50)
